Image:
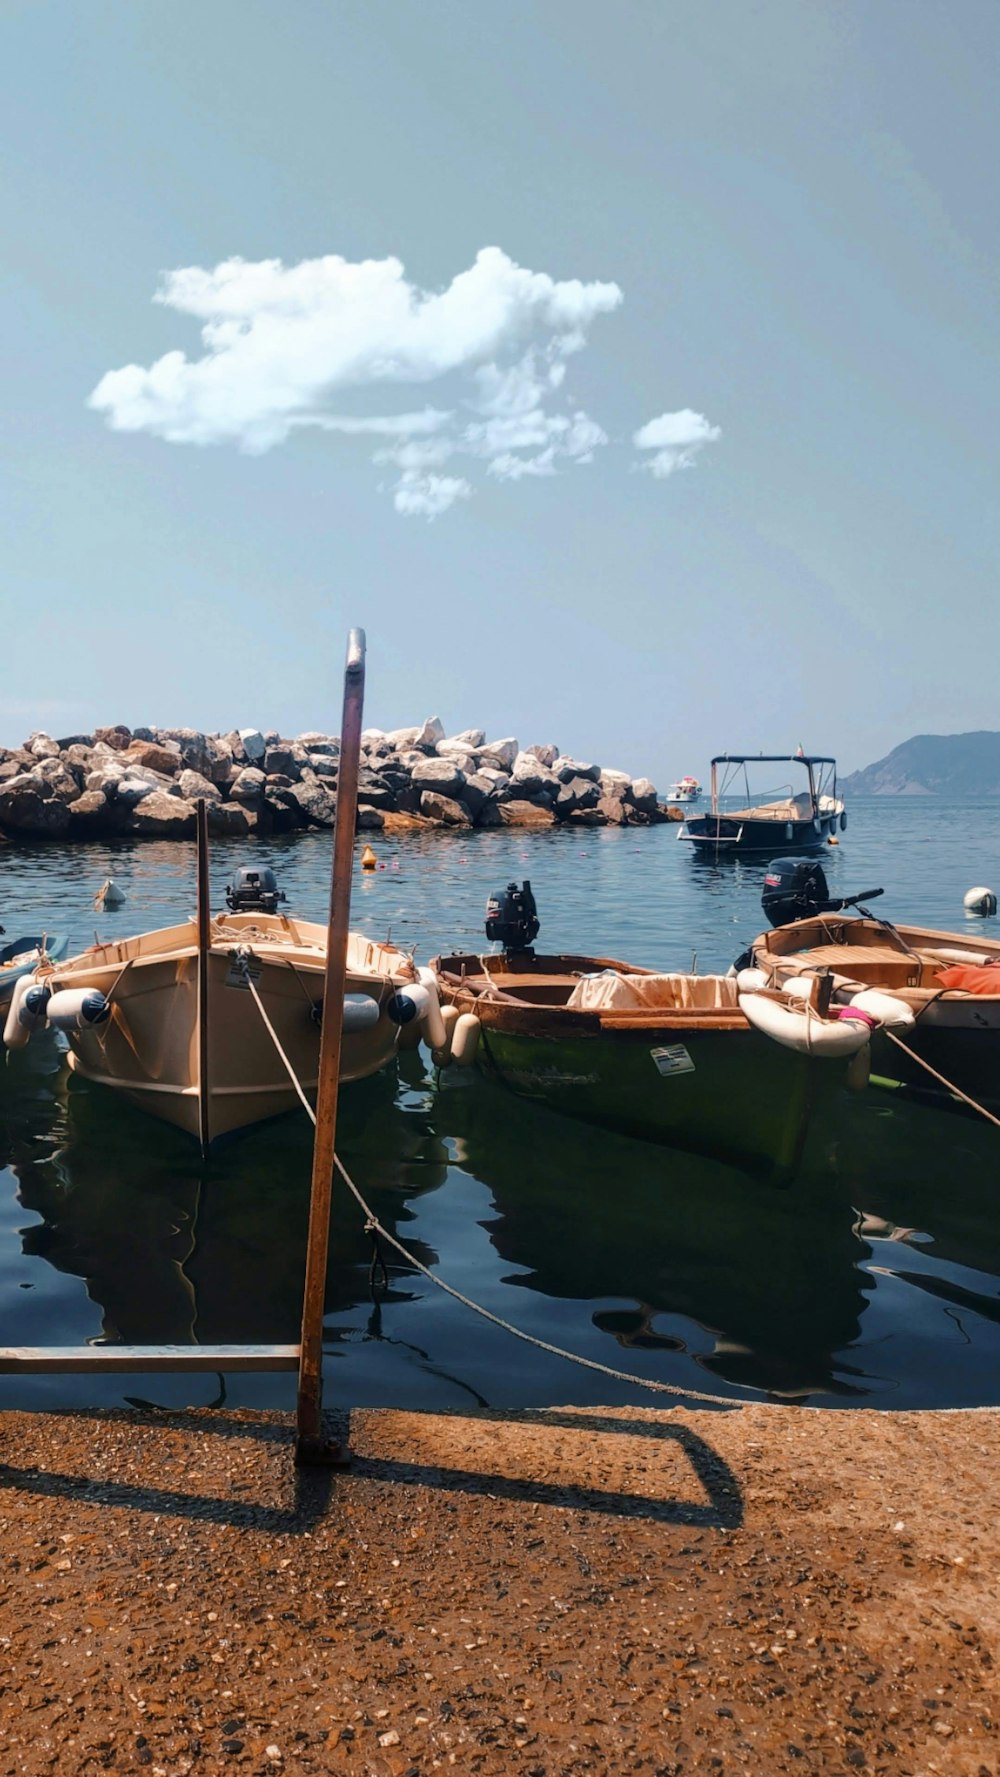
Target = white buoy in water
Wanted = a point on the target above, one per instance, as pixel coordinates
(109, 895)
(980, 900)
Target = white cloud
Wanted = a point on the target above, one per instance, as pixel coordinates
(287, 347)
(676, 439)
(427, 496)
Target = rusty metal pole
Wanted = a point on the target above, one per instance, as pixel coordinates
(204, 951)
(310, 1444)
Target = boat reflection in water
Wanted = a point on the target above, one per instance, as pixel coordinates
(874, 1275)
(175, 1250)
(871, 1280)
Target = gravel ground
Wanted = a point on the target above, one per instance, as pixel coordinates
(774, 1590)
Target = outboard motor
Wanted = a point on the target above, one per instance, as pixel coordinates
(796, 888)
(253, 891)
(512, 919)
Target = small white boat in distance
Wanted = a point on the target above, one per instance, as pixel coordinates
(686, 789)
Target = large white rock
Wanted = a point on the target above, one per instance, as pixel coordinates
(545, 755)
(456, 755)
(566, 768)
(529, 774)
(192, 786)
(641, 793)
(254, 745)
(501, 752)
(442, 775)
(402, 738)
(42, 746)
(249, 785)
(133, 790)
(614, 781)
(431, 732)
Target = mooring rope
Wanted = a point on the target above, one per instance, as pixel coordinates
(949, 1085)
(373, 1225)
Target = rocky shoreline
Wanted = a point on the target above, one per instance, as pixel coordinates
(146, 782)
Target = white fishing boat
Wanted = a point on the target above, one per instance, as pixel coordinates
(130, 1013)
(204, 1024)
(686, 789)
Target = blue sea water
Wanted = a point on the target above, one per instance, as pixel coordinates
(872, 1280)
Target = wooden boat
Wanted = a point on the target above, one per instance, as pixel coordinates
(943, 981)
(667, 1058)
(789, 822)
(145, 1040)
(22, 956)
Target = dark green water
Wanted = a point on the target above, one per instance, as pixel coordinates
(874, 1279)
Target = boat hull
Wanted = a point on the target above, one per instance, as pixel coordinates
(734, 1094)
(954, 1032)
(149, 1048)
(721, 834)
(960, 1040)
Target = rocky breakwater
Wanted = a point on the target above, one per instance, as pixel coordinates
(146, 782)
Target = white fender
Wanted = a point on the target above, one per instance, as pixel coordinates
(886, 1008)
(796, 1027)
(798, 987)
(434, 1033)
(361, 1012)
(16, 1032)
(749, 980)
(77, 1008)
(418, 1004)
(465, 1039)
(449, 1018)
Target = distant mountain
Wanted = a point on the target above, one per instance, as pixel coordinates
(934, 765)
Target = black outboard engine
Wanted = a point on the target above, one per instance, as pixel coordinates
(796, 888)
(253, 891)
(512, 918)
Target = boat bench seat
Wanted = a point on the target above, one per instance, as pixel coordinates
(878, 965)
(611, 992)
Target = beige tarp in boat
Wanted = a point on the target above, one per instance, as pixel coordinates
(612, 992)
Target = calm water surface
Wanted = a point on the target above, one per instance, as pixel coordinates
(873, 1280)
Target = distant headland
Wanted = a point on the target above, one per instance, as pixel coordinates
(146, 782)
(934, 765)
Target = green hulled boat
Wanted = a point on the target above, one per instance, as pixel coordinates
(666, 1058)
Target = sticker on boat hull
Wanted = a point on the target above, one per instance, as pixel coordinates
(673, 1059)
(244, 967)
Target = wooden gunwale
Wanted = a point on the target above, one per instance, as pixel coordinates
(498, 1008)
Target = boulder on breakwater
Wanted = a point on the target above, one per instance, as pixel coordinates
(133, 782)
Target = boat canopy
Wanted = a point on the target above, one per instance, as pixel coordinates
(773, 759)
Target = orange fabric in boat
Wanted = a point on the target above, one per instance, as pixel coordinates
(972, 978)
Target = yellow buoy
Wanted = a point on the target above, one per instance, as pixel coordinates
(368, 859)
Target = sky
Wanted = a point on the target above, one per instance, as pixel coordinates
(629, 372)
